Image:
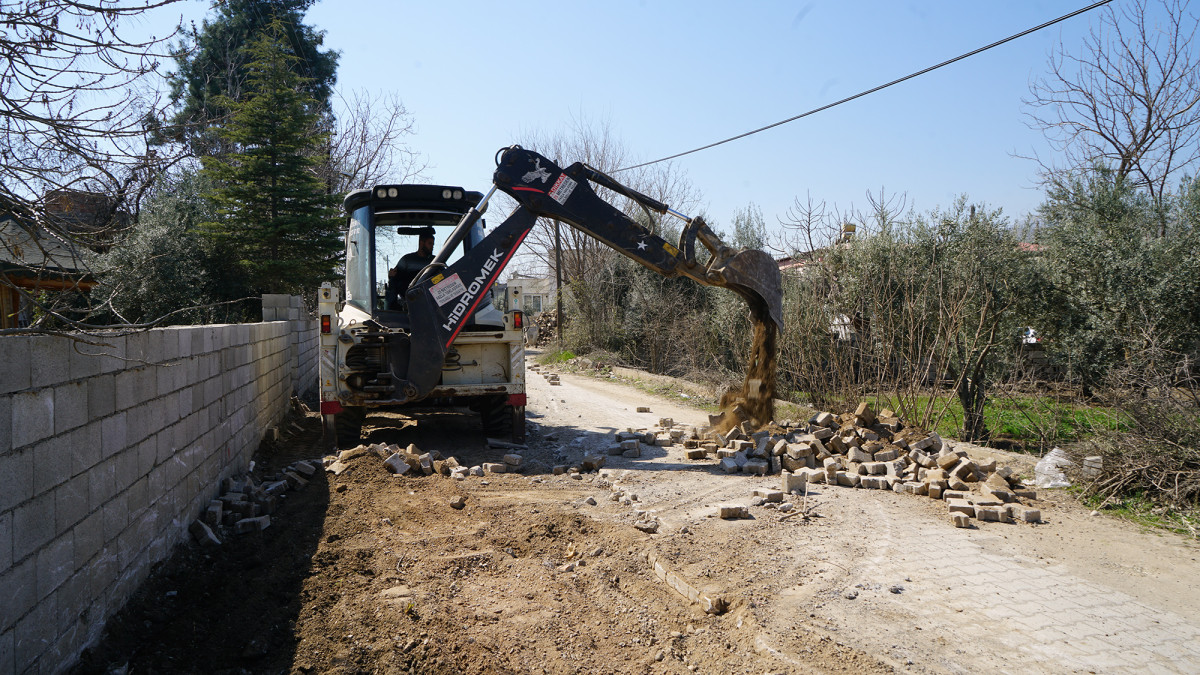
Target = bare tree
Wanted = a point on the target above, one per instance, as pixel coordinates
(589, 266)
(367, 147)
(74, 121)
(1129, 98)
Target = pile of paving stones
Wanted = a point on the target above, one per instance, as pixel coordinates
(411, 461)
(245, 504)
(855, 450)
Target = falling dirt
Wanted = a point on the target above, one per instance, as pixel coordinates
(755, 403)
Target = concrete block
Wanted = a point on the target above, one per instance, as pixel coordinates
(960, 506)
(847, 479)
(18, 591)
(592, 462)
(494, 467)
(758, 467)
(512, 460)
(934, 491)
(793, 482)
(814, 475)
(33, 525)
(958, 485)
(769, 495)
(248, 525)
(996, 514)
(823, 419)
(71, 503)
(947, 462)
(15, 364)
(865, 414)
(32, 416)
(965, 471)
(6, 540)
(732, 511)
(666, 422)
(729, 465)
(859, 455)
(49, 360)
(960, 519)
(887, 455)
(614, 450)
(637, 452)
(1023, 514)
(51, 464)
(16, 478)
(6, 424)
(696, 453)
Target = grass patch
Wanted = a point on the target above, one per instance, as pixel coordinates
(1026, 422)
(1139, 509)
(555, 357)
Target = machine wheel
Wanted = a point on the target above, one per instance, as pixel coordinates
(348, 426)
(503, 421)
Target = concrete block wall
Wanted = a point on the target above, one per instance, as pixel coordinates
(305, 340)
(107, 453)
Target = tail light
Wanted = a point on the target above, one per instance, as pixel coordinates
(326, 324)
(518, 319)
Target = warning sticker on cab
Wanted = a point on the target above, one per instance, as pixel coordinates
(450, 288)
(563, 187)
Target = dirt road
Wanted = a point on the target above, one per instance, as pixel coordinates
(367, 572)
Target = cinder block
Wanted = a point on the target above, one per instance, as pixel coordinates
(6, 541)
(33, 525)
(18, 592)
(6, 424)
(71, 503)
(32, 416)
(15, 364)
(51, 464)
(55, 563)
(49, 360)
(70, 406)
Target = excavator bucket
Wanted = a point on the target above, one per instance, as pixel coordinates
(751, 273)
(754, 275)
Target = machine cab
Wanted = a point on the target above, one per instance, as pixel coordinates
(385, 228)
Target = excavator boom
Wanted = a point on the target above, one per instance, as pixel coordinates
(442, 295)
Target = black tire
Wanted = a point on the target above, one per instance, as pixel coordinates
(503, 421)
(348, 426)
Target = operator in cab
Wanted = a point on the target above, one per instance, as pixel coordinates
(407, 268)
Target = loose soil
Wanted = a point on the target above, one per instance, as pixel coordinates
(366, 572)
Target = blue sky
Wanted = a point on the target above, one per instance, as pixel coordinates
(670, 76)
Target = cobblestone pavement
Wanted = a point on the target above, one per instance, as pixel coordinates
(1034, 616)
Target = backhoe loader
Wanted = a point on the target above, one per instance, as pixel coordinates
(446, 339)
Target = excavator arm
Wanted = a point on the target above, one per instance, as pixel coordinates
(443, 296)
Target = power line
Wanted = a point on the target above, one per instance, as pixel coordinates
(875, 89)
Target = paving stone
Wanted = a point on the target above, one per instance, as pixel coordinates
(960, 519)
(696, 453)
(947, 461)
(793, 482)
(203, 534)
(992, 514)
(396, 464)
(769, 495)
(458, 502)
(730, 511)
(513, 460)
(728, 465)
(960, 506)
(1024, 514)
(757, 467)
(248, 525)
(494, 467)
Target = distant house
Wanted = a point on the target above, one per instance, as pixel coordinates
(34, 259)
(537, 292)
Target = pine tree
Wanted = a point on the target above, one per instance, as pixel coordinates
(277, 223)
(212, 67)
